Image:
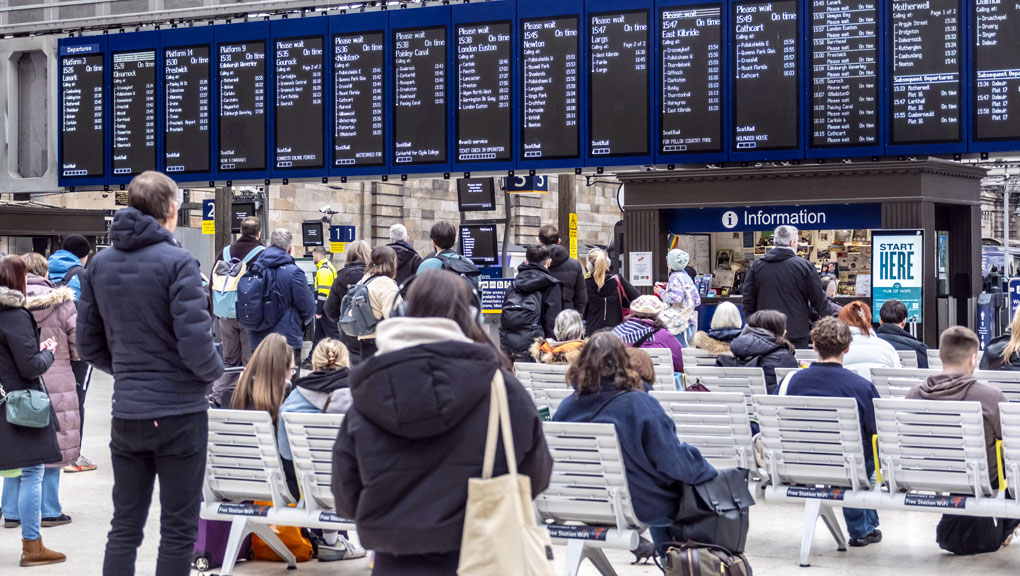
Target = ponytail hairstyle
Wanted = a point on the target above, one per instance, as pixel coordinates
(598, 261)
(773, 321)
(1013, 347)
(330, 355)
(857, 314)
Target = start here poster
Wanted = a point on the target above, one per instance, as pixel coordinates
(897, 271)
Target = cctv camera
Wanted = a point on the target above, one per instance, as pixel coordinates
(326, 209)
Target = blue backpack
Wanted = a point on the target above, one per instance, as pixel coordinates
(258, 308)
(226, 277)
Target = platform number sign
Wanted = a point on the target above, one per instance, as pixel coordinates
(339, 237)
(208, 217)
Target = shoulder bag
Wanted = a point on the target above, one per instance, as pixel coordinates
(624, 308)
(715, 512)
(694, 559)
(501, 535)
(27, 408)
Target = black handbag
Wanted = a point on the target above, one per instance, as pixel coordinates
(715, 512)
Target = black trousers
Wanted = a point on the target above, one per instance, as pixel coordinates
(801, 343)
(82, 375)
(323, 328)
(368, 349)
(173, 449)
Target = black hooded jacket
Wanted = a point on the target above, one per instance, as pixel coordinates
(569, 272)
(785, 282)
(532, 278)
(758, 348)
(416, 434)
(902, 340)
(408, 260)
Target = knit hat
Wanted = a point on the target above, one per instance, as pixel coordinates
(677, 259)
(647, 306)
(77, 244)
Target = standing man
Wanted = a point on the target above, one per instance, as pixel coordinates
(234, 337)
(408, 259)
(444, 238)
(530, 306)
(64, 267)
(325, 275)
(565, 269)
(290, 293)
(143, 318)
(785, 282)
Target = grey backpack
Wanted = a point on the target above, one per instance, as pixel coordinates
(356, 316)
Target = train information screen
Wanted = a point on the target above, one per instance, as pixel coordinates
(82, 115)
(550, 88)
(484, 113)
(359, 99)
(134, 112)
(300, 86)
(690, 65)
(844, 73)
(996, 54)
(242, 116)
(419, 106)
(765, 63)
(618, 75)
(186, 85)
(926, 71)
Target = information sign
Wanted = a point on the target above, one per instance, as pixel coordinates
(339, 238)
(187, 79)
(550, 88)
(619, 56)
(208, 217)
(82, 111)
(242, 114)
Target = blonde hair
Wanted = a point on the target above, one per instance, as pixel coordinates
(726, 316)
(598, 261)
(1013, 346)
(358, 251)
(330, 355)
(37, 264)
(262, 384)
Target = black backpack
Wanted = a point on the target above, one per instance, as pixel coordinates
(462, 267)
(521, 321)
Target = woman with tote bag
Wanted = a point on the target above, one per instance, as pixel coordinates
(416, 431)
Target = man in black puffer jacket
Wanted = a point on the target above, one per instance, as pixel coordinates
(565, 269)
(530, 306)
(894, 320)
(787, 283)
(143, 318)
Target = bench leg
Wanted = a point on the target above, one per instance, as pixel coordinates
(239, 529)
(829, 517)
(577, 552)
(812, 509)
(267, 535)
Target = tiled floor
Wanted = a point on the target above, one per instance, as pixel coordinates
(908, 550)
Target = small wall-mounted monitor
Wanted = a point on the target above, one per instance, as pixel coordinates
(478, 243)
(238, 212)
(476, 194)
(311, 233)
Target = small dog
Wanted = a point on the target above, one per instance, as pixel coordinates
(645, 551)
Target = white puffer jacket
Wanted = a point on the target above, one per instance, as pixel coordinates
(868, 351)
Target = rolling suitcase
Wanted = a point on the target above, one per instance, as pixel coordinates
(211, 545)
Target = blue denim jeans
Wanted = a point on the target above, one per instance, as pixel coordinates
(658, 529)
(50, 495)
(23, 496)
(859, 521)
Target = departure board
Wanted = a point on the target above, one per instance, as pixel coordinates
(996, 29)
(300, 120)
(618, 75)
(187, 89)
(765, 64)
(359, 99)
(134, 112)
(82, 115)
(419, 104)
(484, 115)
(690, 65)
(550, 88)
(844, 73)
(926, 70)
(242, 117)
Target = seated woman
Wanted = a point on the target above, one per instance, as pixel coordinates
(867, 350)
(643, 329)
(569, 332)
(726, 326)
(642, 363)
(762, 344)
(609, 391)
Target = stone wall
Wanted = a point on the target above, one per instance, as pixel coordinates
(373, 206)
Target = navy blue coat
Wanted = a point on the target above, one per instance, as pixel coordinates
(298, 304)
(143, 317)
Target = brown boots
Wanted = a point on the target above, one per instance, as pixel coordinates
(33, 553)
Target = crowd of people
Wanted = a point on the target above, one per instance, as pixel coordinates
(401, 350)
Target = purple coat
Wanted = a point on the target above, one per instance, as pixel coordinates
(634, 329)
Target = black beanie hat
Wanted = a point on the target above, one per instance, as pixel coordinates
(76, 244)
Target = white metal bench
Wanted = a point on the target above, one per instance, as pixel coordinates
(782, 373)
(697, 357)
(935, 362)
(908, 358)
(805, 355)
(747, 381)
(1005, 380)
(243, 465)
(550, 398)
(311, 438)
(587, 503)
(813, 454)
(533, 375)
(1010, 415)
(662, 360)
(716, 423)
(896, 382)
